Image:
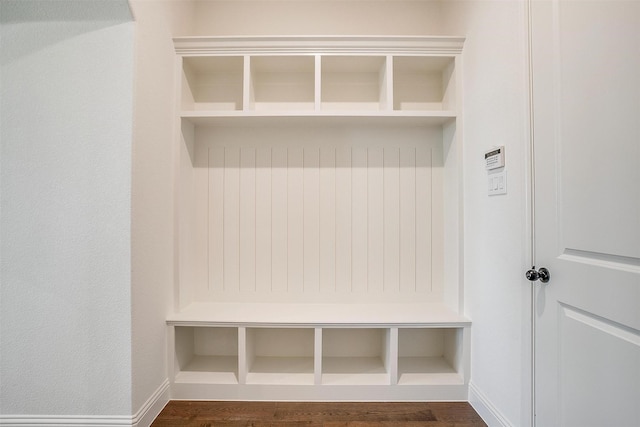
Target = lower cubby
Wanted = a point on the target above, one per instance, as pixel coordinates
(355, 356)
(206, 355)
(430, 356)
(241, 358)
(280, 356)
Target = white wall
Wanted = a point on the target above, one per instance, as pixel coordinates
(152, 186)
(65, 156)
(496, 294)
(317, 17)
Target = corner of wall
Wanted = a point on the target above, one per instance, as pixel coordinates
(486, 409)
(152, 407)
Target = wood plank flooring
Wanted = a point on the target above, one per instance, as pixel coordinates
(316, 414)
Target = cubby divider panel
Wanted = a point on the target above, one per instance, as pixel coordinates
(280, 355)
(206, 354)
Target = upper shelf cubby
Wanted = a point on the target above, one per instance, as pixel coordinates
(318, 76)
(282, 83)
(212, 83)
(354, 83)
(423, 83)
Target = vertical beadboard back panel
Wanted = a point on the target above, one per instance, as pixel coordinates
(319, 213)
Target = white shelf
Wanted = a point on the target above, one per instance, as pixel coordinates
(210, 370)
(346, 75)
(427, 370)
(282, 370)
(317, 315)
(354, 371)
(264, 118)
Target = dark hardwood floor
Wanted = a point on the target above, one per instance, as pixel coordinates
(335, 414)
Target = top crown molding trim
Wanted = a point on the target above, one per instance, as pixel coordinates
(289, 45)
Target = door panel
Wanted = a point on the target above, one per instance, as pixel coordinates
(594, 350)
(599, 99)
(586, 104)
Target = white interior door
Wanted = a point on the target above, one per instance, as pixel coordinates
(586, 97)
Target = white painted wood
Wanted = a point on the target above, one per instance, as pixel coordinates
(359, 220)
(215, 341)
(209, 370)
(279, 209)
(447, 203)
(375, 219)
(354, 371)
(328, 215)
(317, 83)
(353, 83)
(278, 45)
(281, 356)
(354, 356)
(320, 187)
(311, 220)
(245, 354)
(323, 393)
(247, 226)
(231, 212)
(247, 86)
(587, 222)
(329, 118)
(295, 219)
(427, 370)
(186, 92)
(213, 83)
(392, 355)
(283, 82)
(451, 95)
(344, 220)
(206, 355)
(282, 370)
(408, 213)
(391, 218)
(317, 357)
(190, 262)
(423, 83)
(421, 342)
(264, 226)
(424, 243)
(216, 249)
(386, 84)
(283, 314)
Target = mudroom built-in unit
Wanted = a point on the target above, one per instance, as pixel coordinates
(319, 220)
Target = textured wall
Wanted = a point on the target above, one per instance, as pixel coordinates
(65, 155)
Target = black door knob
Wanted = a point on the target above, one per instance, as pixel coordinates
(542, 274)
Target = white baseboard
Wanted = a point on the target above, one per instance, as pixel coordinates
(64, 421)
(143, 418)
(486, 409)
(152, 407)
